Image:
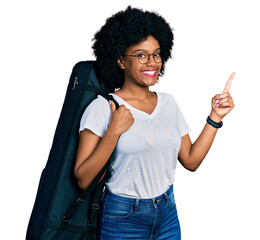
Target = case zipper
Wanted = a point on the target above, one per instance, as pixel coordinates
(75, 83)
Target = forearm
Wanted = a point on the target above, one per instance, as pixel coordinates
(201, 146)
(91, 166)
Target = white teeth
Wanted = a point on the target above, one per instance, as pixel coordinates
(149, 72)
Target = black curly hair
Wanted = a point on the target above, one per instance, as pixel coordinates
(124, 29)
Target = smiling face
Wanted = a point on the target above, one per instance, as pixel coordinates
(144, 75)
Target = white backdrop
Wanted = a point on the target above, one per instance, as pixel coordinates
(42, 40)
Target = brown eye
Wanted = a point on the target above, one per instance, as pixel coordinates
(157, 57)
(141, 56)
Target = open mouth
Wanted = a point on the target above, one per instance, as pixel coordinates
(150, 73)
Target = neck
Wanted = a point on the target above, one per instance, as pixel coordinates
(134, 91)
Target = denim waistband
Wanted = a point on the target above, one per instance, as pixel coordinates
(136, 201)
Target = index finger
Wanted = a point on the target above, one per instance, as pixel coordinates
(229, 81)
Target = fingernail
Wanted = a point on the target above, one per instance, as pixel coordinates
(217, 101)
(217, 105)
(221, 96)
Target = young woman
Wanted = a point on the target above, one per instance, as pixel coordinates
(148, 131)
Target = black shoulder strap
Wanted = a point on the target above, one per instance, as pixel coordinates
(81, 199)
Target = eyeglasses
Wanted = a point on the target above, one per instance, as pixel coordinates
(143, 58)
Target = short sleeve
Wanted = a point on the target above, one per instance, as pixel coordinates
(96, 116)
(182, 124)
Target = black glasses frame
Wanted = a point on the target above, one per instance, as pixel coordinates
(153, 54)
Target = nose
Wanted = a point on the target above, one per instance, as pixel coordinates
(151, 61)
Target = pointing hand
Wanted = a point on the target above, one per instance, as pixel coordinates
(223, 103)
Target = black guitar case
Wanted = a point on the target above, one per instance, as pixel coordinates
(61, 210)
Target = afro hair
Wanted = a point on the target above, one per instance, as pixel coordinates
(124, 29)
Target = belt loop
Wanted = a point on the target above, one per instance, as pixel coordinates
(166, 197)
(136, 205)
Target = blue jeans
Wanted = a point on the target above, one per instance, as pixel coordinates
(128, 218)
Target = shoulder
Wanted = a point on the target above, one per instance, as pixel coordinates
(99, 104)
(99, 107)
(166, 98)
(96, 116)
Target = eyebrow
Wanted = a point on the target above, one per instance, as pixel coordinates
(138, 50)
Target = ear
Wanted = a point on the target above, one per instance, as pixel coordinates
(120, 62)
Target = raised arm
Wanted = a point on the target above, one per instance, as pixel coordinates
(191, 155)
(94, 151)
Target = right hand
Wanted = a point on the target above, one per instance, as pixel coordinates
(121, 119)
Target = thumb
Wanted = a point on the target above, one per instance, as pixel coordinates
(113, 106)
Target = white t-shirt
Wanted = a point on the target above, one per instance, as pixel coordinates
(146, 154)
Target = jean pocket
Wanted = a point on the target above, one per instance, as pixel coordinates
(116, 210)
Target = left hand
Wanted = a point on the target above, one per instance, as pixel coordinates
(223, 103)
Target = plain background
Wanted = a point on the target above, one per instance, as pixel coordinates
(42, 40)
